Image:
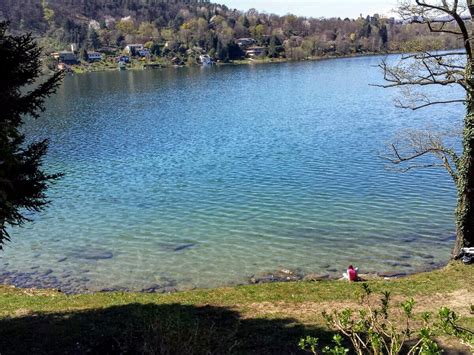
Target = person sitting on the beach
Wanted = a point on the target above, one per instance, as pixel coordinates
(351, 273)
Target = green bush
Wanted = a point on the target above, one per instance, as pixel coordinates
(378, 328)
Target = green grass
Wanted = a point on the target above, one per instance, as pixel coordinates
(265, 318)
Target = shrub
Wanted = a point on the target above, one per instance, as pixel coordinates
(378, 328)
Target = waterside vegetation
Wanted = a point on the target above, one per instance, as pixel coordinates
(264, 318)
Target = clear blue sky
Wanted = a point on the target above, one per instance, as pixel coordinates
(315, 8)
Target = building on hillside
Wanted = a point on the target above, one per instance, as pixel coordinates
(108, 50)
(65, 57)
(143, 52)
(255, 51)
(132, 49)
(245, 42)
(94, 57)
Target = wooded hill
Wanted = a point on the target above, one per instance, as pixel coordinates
(174, 28)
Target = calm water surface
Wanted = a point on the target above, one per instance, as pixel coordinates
(202, 177)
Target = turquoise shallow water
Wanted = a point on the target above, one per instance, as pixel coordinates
(201, 177)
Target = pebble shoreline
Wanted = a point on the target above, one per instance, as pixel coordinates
(67, 284)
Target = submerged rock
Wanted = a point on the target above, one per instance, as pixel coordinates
(47, 272)
(398, 264)
(278, 276)
(92, 254)
(184, 246)
(99, 256)
(176, 245)
(427, 256)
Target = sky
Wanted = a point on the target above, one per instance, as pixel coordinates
(315, 8)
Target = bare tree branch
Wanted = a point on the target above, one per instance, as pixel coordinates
(414, 108)
(419, 144)
(416, 71)
(428, 55)
(431, 12)
(441, 29)
(445, 9)
(422, 72)
(416, 166)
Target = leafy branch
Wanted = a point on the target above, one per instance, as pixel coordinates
(379, 329)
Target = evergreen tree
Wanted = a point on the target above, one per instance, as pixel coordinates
(234, 51)
(93, 40)
(23, 182)
(246, 22)
(383, 33)
(366, 29)
(155, 49)
(83, 54)
(220, 50)
(272, 47)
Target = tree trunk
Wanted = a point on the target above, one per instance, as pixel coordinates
(465, 205)
(465, 183)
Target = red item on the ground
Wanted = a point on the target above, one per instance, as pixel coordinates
(351, 273)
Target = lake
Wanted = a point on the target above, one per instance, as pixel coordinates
(203, 177)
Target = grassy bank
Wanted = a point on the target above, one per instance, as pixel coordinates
(266, 318)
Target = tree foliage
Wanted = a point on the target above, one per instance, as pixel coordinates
(200, 24)
(23, 182)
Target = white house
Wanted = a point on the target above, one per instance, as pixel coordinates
(133, 49)
(94, 56)
(255, 51)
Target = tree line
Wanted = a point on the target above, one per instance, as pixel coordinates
(182, 28)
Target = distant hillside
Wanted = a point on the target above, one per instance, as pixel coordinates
(39, 15)
(181, 30)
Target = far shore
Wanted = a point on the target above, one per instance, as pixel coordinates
(156, 65)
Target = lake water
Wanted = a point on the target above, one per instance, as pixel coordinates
(202, 177)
